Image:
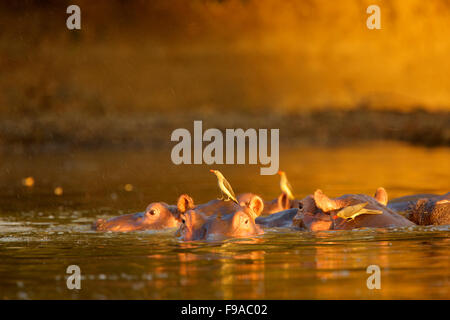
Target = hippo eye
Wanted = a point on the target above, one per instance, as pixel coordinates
(246, 221)
(152, 212)
(183, 221)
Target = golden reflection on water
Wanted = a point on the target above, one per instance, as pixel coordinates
(41, 233)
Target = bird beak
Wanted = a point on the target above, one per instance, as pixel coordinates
(212, 171)
(280, 172)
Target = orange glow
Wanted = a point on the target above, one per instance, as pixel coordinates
(28, 182)
(58, 191)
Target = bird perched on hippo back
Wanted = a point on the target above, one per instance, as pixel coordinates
(319, 212)
(225, 187)
(351, 212)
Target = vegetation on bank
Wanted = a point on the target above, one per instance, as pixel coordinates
(150, 130)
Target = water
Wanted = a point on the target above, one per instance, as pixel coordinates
(42, 233)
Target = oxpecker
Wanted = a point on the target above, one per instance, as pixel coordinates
(225, 187)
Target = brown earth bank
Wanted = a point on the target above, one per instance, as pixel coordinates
(152, 56)
(44, 132)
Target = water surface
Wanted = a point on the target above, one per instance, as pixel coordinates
(42, 233)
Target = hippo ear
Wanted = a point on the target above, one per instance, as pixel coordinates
(185, 203)
(283, 201)
(325, 203)
(307, 205)
(256, 204)
(244, 199)
(381, 196)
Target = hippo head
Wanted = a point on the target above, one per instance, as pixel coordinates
(311, 217)
(241, 223)
(191, 227)
(157, 215)
(160, 215)
(319, 212)
(430, 211)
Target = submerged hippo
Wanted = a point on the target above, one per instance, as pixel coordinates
(424, 209)
(160, 215)
(318, 212)
(276, 205)
(157, 216)
(196, 225)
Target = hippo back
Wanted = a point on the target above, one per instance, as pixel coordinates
(279, 219)
(387, 219)
(318, 212)
(217, 207)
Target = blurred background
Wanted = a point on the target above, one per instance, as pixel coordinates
(86, 117)
(139, 69)
(92, 110)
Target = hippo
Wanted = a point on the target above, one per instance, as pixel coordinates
(318, 212)
(160, 215)
(278, 204)
(196, 225)
(402, 204)
(424, 209)
(157, 216)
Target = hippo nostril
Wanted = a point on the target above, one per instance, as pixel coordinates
(300, 205)
(183, 221)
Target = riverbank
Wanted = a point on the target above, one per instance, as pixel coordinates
(54, 131)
